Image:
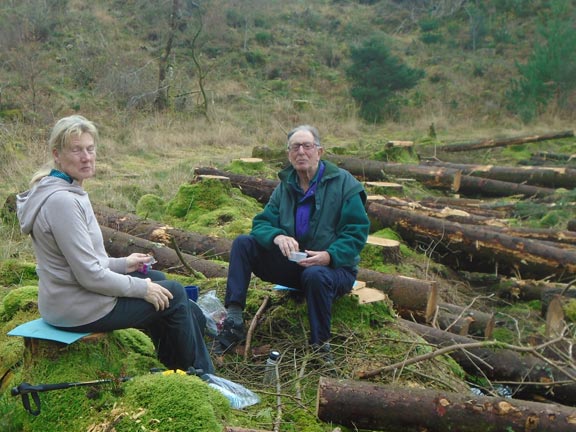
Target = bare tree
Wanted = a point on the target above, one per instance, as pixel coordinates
(162, 100)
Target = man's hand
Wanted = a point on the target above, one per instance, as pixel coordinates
(286, 244)
(158, 296)
(316, 258)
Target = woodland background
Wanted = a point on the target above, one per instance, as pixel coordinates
(175, 85)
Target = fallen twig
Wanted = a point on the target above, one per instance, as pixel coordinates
(253, 324)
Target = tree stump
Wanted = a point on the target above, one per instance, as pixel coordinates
(34, 347)
(390, 249)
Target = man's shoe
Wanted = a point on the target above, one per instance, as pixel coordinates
(230, 335)
(322, 354)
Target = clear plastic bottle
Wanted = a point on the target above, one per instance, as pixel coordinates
(271, 367)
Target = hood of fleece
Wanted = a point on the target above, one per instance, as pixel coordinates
(29, 203)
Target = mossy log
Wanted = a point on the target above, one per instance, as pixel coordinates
(188, 242)
(551, 177)
(363, 405)
(121, 244)
(255, 187)
(529, 375)
(480, 247)
(503, 142)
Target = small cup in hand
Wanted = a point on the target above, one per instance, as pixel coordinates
(297, 256)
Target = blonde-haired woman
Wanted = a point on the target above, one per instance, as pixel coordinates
(81, 288)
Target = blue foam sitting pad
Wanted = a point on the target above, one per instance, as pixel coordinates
(40, 329)
(285, 288)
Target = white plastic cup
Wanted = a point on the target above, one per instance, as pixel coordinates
(297, 256)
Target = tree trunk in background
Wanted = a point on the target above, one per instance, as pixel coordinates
(363, 405)
(551, 177)
(163, 92)
(502, 142)
(477, 246)
(475, 186)
(432, 177)
(119, 244)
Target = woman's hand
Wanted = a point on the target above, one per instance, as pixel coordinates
(136, 260)
(158, 296)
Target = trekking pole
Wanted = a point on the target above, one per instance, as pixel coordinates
(26, 389)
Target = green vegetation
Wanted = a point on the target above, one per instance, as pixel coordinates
(549, 73)
(475, 70)
(378, 77)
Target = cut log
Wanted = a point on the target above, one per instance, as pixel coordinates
(502, 142)
(571, 226)
(461, 215)
(554, 156)
(532, 376)
(203, 177)
(401, 144)
(412, 298)
(481, 323)
(432, 177)
(454, 323)
(479, 247)
(390, 249)
(564, 294)
(381, 187)
(478, 186)
(513, 289)
(555, 322)
(437, 178)
(255, 187)
(551, 177)
(363, 405)
(120, 244)
(188, 242)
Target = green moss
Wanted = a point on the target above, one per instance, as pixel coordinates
(213, 207)
(505, 335)
(15, 272)
(151, 207)
(570, 310)
(24, 298)
(173, 403)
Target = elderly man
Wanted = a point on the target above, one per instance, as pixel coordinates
(316, 210)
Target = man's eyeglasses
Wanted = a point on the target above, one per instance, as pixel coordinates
(294, 147)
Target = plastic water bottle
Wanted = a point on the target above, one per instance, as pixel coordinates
(270, 368)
